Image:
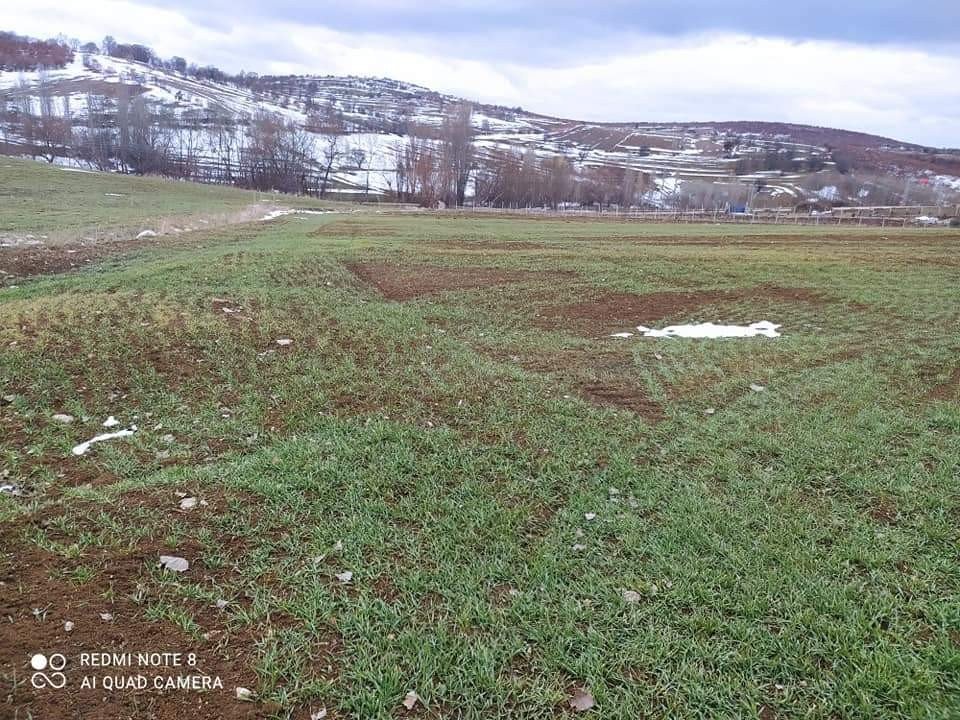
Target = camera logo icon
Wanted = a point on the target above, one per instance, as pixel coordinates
(48, 671)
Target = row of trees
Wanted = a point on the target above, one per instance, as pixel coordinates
(129, 133)
(514, 179)
(24, 54)
(433, 171)
(125, 131)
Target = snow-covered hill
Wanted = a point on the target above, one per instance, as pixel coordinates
(372, 119)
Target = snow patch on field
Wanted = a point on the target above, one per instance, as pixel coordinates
(274, 214)
(710, 330)
(83, 447)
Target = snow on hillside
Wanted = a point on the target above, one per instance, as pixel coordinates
(376, 116)
(87, 74)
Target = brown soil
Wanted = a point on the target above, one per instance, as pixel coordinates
(623, 395)
(22, 262)
(949, 390)
(500, 595)
(766, 712)
(408, 282)
(351, 228)
(26, 573)
(883, 510)
(615, 311)
(38, 600)
(589, 376)
(484, 245)
(56, 257)
(36, 260)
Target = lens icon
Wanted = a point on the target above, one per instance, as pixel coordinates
(55, 663)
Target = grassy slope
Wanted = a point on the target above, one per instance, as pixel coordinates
(39, 198)
(795, 553)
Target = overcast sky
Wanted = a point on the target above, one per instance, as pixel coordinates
(888, 67)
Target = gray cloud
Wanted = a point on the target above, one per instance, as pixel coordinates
(861, 21)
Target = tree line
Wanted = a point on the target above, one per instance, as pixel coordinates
(435, 165)
(24, 54)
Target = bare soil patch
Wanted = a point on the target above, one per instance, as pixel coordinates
(41, 599)
(601, 378)
(70, 253)
(883, 510)
(948, 390)
(35, 610)
(353, 229)
(622, 395)
(486, 245)
(614, 311)
(42, 260)
(408, 282)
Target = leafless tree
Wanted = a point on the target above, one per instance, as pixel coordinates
(457, 151)
(151, 137)
(278, 154)
(123, 126)
(329, 155)
(360, 158)
(558, 180)
(96, 145)
(226, 147)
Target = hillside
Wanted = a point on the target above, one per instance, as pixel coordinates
(357, 129)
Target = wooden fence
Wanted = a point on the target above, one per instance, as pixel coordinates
(885, 216)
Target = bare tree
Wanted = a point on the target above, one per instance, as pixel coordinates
(419, 172)
(96, 147)
(358, 158)
(278, 154)
(456, 137)
(226, 147)
(151, 131)
(123, 125)
(558, 180)
(51, 131)
(329, 154)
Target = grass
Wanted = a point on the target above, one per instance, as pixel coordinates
(36, 198)
(794, 553)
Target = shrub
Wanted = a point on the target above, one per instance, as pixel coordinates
(955, 222)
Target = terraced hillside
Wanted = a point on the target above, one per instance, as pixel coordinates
(375, 118)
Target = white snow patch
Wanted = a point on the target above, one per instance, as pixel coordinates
(274, 214)
(829, 192)
(146, 234)
(949, 181)
(709, 330)
(111, 422)
(82, 448)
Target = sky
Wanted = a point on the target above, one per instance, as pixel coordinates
(887, 67)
